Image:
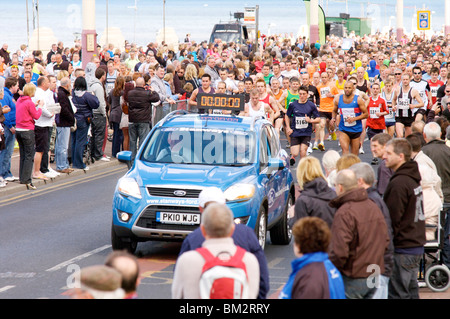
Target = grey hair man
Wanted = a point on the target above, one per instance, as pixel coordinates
(366, 179)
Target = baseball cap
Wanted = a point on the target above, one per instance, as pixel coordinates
(211, 194)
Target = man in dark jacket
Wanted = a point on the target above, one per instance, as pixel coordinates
(243, 236)
(140, 114)
(64, 121)
(313, 202)
(404, 199)
(359, 237)
(439, 152)
(366, 179)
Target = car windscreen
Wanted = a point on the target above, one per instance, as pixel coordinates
(200, 146)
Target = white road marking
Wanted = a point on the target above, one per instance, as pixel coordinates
(78, 258)
(6, 288)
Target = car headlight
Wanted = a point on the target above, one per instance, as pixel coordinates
(129, 187)
(239, 191)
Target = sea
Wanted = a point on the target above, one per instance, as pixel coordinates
(140, 20)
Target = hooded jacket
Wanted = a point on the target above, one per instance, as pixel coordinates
(404, 199)
(313, 201)
(85, 102)
(359, 235)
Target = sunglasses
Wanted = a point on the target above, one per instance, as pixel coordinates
(398, 74)
(417, 73)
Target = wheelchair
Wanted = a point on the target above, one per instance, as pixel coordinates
(434, 274)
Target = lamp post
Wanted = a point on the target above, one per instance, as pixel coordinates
(399, 20)
(89, 34)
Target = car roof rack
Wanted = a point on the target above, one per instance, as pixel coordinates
(173, 114)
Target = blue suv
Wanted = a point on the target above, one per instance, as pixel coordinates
(157, 199)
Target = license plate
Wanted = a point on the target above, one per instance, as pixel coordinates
(178, 218)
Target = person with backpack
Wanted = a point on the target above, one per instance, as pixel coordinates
(219, 269)
(243, 236)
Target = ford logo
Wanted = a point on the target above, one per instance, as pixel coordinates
(179, 193)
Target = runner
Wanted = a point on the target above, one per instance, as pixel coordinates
(388, 95)
(255, 107)
(327, 93)
(269, 100)
(403, 104)
(300, 116)
(424, 90)
(352, 110)
(434, 84)
(377, 110)
(287, 98)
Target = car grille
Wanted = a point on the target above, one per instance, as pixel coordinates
(169, 192)
(148, 218)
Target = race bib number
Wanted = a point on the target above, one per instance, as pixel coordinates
(403, 104)
(300, 123)
(373, 112)
(347, 113)
(391, 112)
(434, 91)
(324, 91)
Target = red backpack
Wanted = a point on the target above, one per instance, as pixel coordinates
(223, 276)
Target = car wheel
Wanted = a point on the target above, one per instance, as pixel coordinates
(118, 243)
(261, 227)
(281, 233)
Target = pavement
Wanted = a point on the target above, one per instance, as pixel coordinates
(15, 187)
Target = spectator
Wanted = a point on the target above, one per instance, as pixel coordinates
(439, 152)
(11, 88)
(98, 123)
(313, 275)
(84, 102)
(243, 236)
(127, 265)
(359, 236)
(217, 226)
(64, 121)
(378, 146)
(366, 179)
(403, 197)
(115, 97)
(140, 114)
(26, 115)
(347, 160)
(329, 161)
(98, 282)
(315, 194)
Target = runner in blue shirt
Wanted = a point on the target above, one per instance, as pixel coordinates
(300, 116)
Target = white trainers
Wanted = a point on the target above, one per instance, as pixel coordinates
(361, 150)
(50, 174)
(11, 179)
(51, 170)
(310, 150)
(105, 159)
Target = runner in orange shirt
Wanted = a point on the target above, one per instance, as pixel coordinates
(327, 91)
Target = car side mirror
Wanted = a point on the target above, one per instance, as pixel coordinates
(275, 164)
(125, 157)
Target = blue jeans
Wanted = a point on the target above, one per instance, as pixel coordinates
(6, 154)
(79, 143)
(117, 140)
(61, 146)
(137, 131)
